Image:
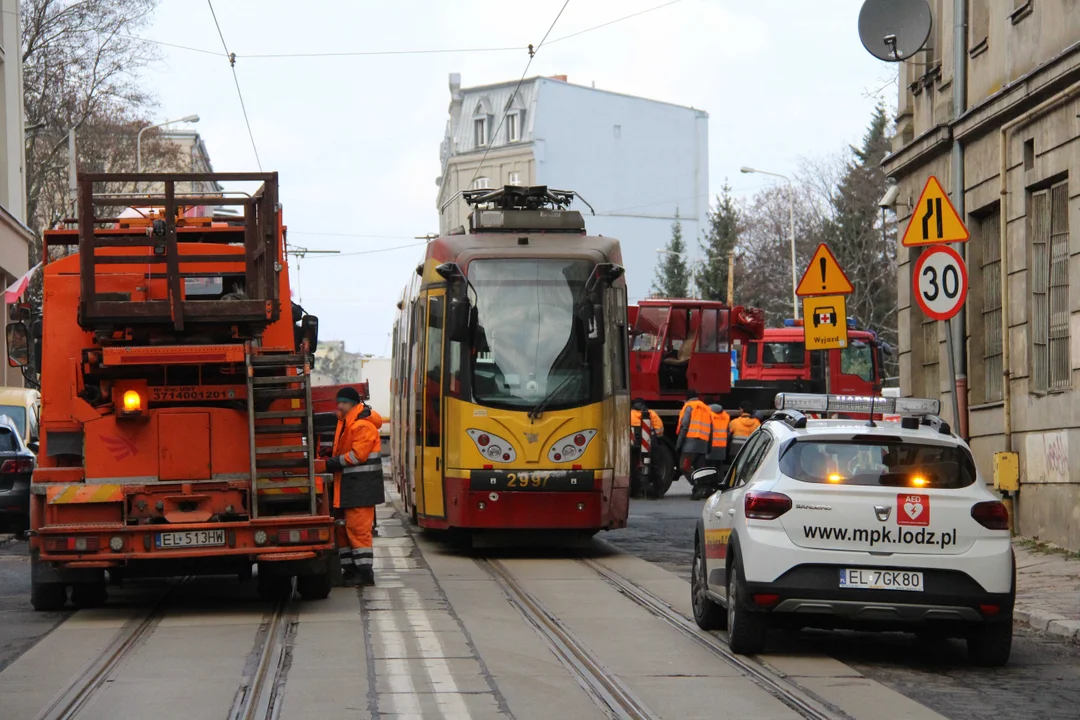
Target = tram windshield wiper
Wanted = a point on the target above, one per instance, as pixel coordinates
(538, 409)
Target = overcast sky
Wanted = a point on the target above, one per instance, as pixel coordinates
(356, 139)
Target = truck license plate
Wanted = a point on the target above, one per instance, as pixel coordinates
(865, 579)
(190, 538)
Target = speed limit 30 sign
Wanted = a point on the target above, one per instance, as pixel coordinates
(941, 282)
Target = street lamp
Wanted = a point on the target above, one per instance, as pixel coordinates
(138, 139)
(693, 280)
(791, 220)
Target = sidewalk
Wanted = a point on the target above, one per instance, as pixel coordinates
(1047, 590)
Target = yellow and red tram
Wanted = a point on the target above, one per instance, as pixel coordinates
(510, 385)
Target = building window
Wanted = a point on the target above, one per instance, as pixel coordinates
(1050, 288)
(482, 183)
(931, 359)
(978, 26)
(480, 131)
(990, 245)
(513, 132)
(515, 178)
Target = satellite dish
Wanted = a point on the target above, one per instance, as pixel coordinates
(894, 30)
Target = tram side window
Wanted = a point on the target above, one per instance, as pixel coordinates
(617, 311)
(433, 372)
(416, 358)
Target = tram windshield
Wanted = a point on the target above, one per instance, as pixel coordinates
(530, 342)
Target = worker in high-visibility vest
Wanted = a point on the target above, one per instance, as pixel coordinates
(358, 483)
(717, 454)
(695, 433)
(745, 424)
(639, 408)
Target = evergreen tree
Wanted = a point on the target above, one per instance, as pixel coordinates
(864, 244)
(720, 240)
(672, 278)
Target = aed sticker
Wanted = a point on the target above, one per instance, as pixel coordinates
(479, 412)
(913, 510)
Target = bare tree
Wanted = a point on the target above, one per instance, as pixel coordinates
(80, 71)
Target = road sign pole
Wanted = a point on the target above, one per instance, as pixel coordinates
(952, 376)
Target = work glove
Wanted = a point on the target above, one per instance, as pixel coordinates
(334, 465)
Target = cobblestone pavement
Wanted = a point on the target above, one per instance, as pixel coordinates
(1041, 681)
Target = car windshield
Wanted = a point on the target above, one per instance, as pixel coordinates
(17, 414)
(531, 341)
(885, 462)
(857, 359)
(782, 353)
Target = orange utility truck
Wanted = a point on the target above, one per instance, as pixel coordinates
(176, 427)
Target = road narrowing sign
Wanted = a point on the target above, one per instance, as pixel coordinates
(934, 219)
(941, 282)
(825, 322)
(823, 276)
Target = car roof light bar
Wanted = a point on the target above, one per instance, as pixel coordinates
(810, 402)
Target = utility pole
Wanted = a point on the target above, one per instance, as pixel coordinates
(73, 174)
(730, 279)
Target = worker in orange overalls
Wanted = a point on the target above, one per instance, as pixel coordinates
(718, 443)
(695, 433)
(358, 482)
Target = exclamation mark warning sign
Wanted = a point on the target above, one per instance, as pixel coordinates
(823, 276)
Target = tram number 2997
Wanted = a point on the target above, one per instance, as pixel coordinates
(543, 480)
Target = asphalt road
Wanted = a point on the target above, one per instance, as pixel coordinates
(1042, 679)
(20, 626)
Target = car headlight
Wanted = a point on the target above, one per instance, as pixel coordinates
(571, 447)
(491, 446)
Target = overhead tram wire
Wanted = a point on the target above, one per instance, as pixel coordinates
(377, 53)
(513, 95)
(236, 79)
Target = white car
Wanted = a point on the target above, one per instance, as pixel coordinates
(847, 523)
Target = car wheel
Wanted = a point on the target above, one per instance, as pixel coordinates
(746, 629)
(991, 644)
(707, 614)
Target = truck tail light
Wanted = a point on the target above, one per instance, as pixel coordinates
(19, 465)
(992, 515)
(766, 505)
(307, 535)
(72, 544)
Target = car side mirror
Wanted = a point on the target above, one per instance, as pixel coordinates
(309, 330)
(707, 477)
(18, 344)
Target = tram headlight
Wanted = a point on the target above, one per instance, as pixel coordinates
(491, 446)
(571, 447)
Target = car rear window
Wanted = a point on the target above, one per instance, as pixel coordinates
(886, 462)
(7, 441)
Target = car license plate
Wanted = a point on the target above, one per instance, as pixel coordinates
(867, 579)
(190, 538)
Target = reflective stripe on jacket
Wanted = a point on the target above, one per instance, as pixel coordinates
(358, 447)
(695, 427)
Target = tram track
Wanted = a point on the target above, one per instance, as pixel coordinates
(258, 696)
(776, 684)
(70, 701)
(605, 688)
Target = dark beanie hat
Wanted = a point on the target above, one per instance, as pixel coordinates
(348, 394)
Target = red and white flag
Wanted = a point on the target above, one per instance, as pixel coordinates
(15, 290)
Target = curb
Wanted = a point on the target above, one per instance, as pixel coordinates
(1048, 622)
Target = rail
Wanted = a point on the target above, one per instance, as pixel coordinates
(804, 703)
(258, 698)
(606, 688)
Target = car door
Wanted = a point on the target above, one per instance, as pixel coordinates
(722, 509)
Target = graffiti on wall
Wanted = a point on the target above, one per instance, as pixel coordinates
(1047, 458)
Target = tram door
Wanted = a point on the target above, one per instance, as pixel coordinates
(429, 429)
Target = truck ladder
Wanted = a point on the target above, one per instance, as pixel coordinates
(268, 381)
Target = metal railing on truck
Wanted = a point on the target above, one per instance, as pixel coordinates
(257, 266)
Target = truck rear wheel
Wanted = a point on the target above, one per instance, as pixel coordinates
(663, 470)
(45, 596)
(314, 587)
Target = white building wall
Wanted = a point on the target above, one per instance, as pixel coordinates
(634, 160)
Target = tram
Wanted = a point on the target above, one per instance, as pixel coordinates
(510, 386)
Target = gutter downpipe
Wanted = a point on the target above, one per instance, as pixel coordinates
(1003, 217)
(957, 327)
